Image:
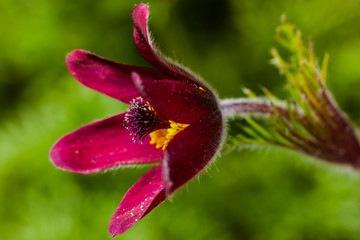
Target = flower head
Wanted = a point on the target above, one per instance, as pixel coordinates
(174, 119)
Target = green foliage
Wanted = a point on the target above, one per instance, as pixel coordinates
(311, 121)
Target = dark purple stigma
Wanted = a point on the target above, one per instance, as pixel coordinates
(141, 119)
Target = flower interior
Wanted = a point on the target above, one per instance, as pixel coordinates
(142, 120)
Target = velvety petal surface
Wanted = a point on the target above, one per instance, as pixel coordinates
(140, 199)
(107, 77)
(101, 145)
(191, 151)
(146, 48)
(176, 100)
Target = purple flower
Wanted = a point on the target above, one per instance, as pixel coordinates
(174, 119)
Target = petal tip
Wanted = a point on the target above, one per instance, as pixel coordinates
(57, 159)
(140, 16)
(61, 159)
(76, 55)
(140, 11)
(53, 156)
(76, 58)
(114, 229)
(141, 199)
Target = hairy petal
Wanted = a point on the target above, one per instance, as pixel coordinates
(191, 151)
(107, 77)
(141, 198)
(100, 145)
(175, 100)
(146, 48)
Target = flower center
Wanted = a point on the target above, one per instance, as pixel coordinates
(141, 120)
(162, 137)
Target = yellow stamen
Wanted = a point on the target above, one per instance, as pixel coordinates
(162, 137)
(202, 89)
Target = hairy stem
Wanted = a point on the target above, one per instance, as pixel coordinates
(241, 106)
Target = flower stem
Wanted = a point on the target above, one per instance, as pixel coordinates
(241, 106)
(337, 142)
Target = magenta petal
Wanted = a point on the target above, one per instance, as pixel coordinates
(175, 100)
(141, 198)
(146, 48)
(101, 145)
(107, 77)
(191, 151)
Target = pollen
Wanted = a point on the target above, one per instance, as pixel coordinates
(162, 137)
(202, 89)
(142, 120)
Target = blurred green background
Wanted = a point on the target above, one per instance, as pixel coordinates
(254, 193)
